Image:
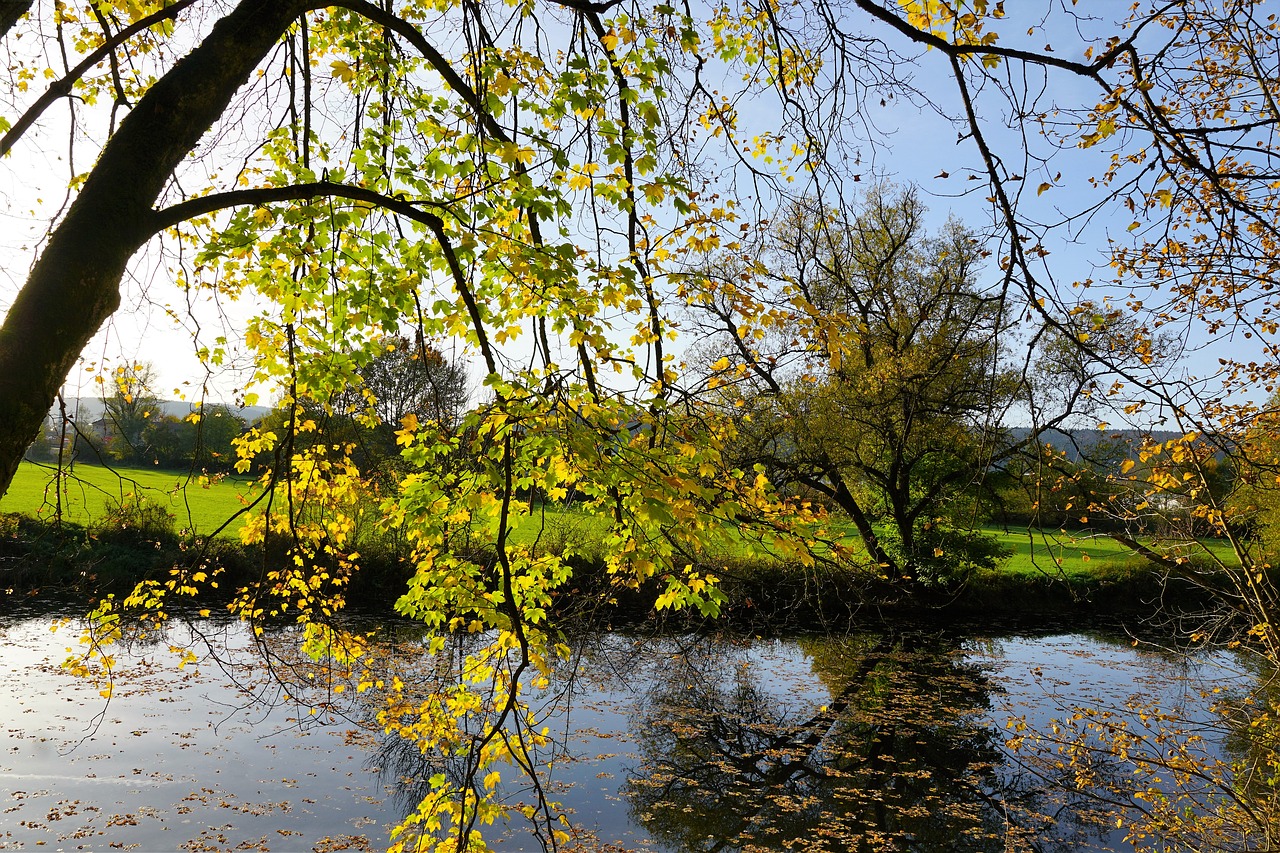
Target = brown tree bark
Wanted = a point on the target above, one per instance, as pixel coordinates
(75, 285)
(10, 12)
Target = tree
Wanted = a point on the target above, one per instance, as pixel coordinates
(403, 380)
(204, 440)
(129, 411)
(414, 378)
(396, 166)
(1253, 508)
(877, 378)
(399, 379)
(539, 172)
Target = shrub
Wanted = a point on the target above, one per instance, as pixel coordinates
(943, 553)
(136, 517)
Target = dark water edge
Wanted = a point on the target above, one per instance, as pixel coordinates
(873, 737)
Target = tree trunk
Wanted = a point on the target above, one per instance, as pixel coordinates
(847, 502)
(10, 12)
(75, 285)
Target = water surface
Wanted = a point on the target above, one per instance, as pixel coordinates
(869, 740)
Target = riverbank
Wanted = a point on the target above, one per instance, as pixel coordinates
(41, 558)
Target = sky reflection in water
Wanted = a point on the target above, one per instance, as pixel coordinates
(673, 743)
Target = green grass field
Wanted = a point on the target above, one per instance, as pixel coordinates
(1076, 555)
(1081, 553)
(90, 491)
(1073, 554)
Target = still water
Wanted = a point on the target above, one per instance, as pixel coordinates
(868, 740)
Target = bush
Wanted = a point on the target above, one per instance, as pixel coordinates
(136, 517)
(944, 554)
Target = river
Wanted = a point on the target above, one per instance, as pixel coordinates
(873, 739)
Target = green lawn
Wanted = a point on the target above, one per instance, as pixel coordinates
(1057, 553)
(91, 490)
(1074, 554)
(1081, 553)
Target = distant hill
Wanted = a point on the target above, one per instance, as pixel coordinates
(90, 409)
(1080, 443)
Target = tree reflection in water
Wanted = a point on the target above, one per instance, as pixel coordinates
(902, 757)
(863, 742)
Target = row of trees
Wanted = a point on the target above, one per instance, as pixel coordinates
(405, 378)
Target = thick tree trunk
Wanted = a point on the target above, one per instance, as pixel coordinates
(75, 285)
(10, 12)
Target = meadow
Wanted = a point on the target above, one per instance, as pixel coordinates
(203, 505)
(199, 504)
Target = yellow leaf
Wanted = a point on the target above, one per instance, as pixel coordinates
(408, 426)
(342, 71)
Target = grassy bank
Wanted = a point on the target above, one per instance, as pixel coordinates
(1055, 570)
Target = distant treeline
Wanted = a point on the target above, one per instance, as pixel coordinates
(148, 436)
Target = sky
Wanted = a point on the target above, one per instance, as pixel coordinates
(163, 326)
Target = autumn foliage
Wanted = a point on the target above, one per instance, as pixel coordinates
(554, 186)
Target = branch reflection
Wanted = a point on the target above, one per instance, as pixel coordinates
(902, 756)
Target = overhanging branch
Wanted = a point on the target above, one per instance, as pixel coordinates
(62, 87)
(184, 211)
(928, 39)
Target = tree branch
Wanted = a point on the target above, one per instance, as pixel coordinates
(62, 87)
(1090, 70)
(186, 210)
(414, 36)
(183, 211)
(1143, 551)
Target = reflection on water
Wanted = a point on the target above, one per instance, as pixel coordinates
(870, 741)
(864, 742)
(898, 754)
